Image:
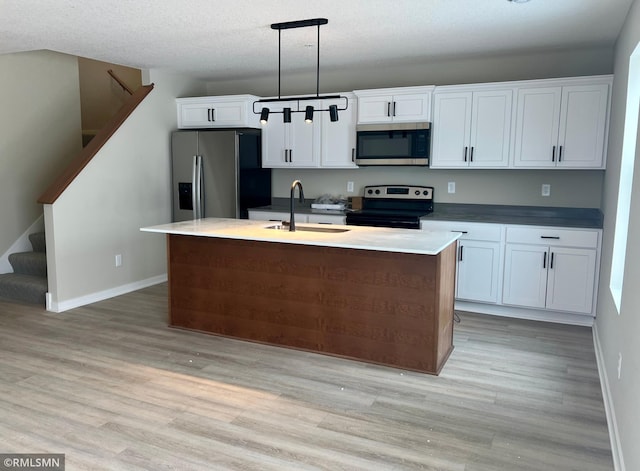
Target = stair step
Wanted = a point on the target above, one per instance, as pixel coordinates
(38, 242)
(29, 263)
(27, 288)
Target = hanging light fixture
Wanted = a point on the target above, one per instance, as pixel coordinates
(307, 110)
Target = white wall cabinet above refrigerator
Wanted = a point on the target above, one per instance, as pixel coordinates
(562, 126)
(230, 111)
(394, 105)
(471, 128)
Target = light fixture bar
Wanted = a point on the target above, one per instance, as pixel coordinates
(300, 23)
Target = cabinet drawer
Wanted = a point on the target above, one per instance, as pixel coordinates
(552, 236)
(470, 231)
(326, 219)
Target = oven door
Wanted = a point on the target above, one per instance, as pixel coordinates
(382, 220)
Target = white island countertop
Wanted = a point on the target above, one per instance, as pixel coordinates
(355, 237)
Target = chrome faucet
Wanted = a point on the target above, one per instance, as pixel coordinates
(292, 222)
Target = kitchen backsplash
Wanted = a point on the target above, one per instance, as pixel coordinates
(569, 188)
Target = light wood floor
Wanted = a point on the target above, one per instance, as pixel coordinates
(113, 388)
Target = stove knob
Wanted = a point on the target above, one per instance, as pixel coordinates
(425, 192)
(377, 192)
(370, 192)
(417, 192)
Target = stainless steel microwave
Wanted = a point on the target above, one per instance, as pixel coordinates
(393, 144)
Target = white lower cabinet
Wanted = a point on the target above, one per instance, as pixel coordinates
(478, 268)
(551, 268)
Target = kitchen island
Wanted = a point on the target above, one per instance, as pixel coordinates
(379, 295)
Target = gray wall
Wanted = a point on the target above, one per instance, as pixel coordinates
(568, 188)
(620, 333)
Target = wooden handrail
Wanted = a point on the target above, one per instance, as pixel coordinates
(52, 193)
(120, 82)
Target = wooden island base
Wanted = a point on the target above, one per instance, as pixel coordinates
(388, 308)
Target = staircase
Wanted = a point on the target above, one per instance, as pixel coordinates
(28, 282)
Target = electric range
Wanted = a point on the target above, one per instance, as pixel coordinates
(399, 206)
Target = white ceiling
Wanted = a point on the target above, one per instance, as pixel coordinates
(230, 39)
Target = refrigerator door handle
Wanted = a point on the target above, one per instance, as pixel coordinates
(196, 184)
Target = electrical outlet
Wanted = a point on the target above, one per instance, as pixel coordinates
(451, 187)
(118, 260)
(619, 364)
(349, 187)
(546, 189)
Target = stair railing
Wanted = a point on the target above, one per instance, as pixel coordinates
(120, 82)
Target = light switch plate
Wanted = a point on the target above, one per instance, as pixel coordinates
(349, 187)
(451, 187)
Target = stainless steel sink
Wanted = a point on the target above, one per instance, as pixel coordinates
(282, 227)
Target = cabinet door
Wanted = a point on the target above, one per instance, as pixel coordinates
(275, 152)
(582, 126)
(338, 148)
(571, 279)
(490, 128)
(304, 138)
(375, 109)
(194, 115)
(478, 270)
(451, 129)
(525, 275)
(211, 113)
(537, 127)
(411, 107)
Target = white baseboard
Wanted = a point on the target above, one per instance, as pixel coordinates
(526, 313)
(54, 306)
(614, 437)
(22, 244)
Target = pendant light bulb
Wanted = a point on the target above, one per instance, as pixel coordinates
(308, 114)
(264, 116)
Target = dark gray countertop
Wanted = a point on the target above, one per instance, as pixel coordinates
(588, 218)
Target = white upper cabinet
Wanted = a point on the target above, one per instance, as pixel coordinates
(294, 144)
(471, 128)
(338, 138)
(218, 111)
(562, 126)
(394, 105)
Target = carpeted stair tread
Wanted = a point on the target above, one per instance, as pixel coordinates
(38, 242)
(28, 288)
(29, 263)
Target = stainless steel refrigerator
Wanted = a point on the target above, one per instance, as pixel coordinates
(218, 173)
